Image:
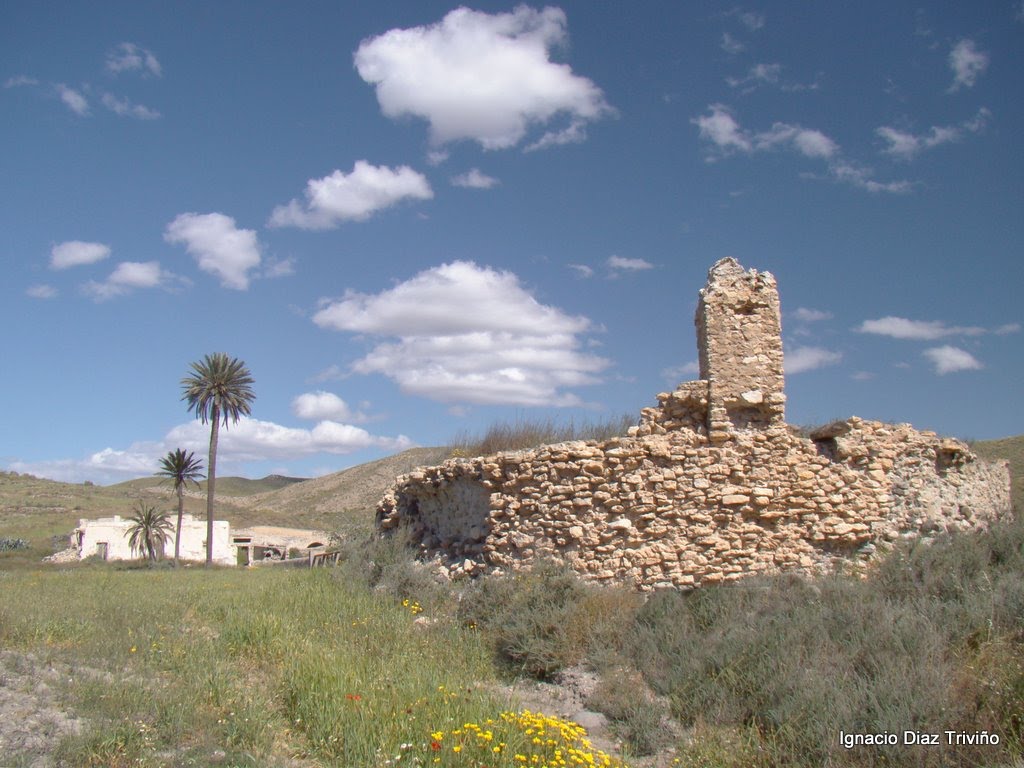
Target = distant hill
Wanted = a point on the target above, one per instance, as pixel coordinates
(226, 486)
(342, 501)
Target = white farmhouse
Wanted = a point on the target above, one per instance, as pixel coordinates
(107, 538)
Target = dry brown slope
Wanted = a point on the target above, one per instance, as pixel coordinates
(343, 501)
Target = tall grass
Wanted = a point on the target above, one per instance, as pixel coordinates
(260, 665)
(341, 668)
(523, 434)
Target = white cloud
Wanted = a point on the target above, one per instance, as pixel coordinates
(582, 270)
(574, 133)
(19, 80)
(809, 143)
(486, 78)
(684, 372)
(906, 145)
(758, 74)
(861, 177)
(41, 291)
(74, 253)
(124, 108)
(721, 128)
(248, 440)
(752, 20)
(805, 315)
(967, 63)
(474, 179)
(802, 359)
(129, 57)
(353, 196)
(917, 330)
(255, 440)
(73, 99)
(731, 45)
(437, 156)
(321, 405)
(468, 334)
(947, 359)
(278, 268)
(330, 373)
(217, 245)
(622, 264)
(812, 143)
(126, 277)
(1008, 328)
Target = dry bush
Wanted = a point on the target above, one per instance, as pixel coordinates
(524, 434)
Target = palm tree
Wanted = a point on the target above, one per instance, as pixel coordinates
(181, 468)
(148, 532)
(219, 387)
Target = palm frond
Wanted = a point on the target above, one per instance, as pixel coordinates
(149, 530)
(219, 383)
(181, 468)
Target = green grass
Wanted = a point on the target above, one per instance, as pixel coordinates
(374, 662)
(263, 663)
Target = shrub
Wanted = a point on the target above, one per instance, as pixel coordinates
(388, 564)
(8, 544)
(932, 639)
(546, 619)
(636, 715)
(799, 662)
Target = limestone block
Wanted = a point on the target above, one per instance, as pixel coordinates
(734, 499)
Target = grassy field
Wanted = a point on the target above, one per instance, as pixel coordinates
(374, 663)
(264, 668)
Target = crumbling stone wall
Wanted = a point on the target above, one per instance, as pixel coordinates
(711, 485)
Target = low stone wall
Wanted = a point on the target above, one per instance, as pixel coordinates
(672, 509)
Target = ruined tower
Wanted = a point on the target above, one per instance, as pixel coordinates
(739, 340)
(709, 486)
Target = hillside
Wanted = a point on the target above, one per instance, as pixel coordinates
(226, 486)
(342, 501)
(44, 512)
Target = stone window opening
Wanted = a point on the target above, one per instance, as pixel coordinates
(946, 458)
(827, 447)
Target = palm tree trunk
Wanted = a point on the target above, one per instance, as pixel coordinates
(211, 478)
(177, 535)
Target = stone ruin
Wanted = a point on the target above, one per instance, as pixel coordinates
(711, 485)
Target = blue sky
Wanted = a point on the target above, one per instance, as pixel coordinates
(412, 219)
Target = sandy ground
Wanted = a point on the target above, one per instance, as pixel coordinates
(32, 717)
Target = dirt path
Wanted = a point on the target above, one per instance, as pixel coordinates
(32, 717)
